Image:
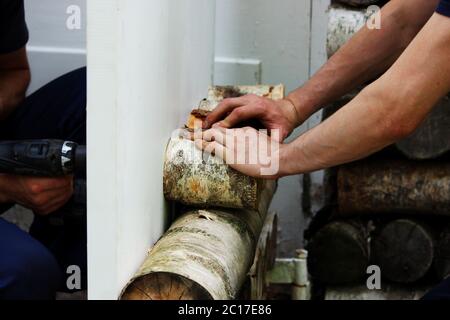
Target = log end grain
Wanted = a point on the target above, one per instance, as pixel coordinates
(404, 251)
(338, 254)
(165, 286)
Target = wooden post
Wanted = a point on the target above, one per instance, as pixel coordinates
(404, 250)
(394, 186)
(343, 23)
(204, 255)
(339, 253)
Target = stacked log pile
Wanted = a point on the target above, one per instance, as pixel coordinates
(391, 210)
(209, 251)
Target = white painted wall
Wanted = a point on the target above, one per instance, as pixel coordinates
(270, 42)
(149, 63)
(53, 49)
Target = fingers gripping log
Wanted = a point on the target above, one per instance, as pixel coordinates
(195, 178)
(204, 255)
(198, 179)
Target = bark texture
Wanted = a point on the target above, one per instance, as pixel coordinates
(207, 254)
(394, 186)
(343, 23)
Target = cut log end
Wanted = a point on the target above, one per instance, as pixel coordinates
(165, 286)
(338, 254)
(404, 251)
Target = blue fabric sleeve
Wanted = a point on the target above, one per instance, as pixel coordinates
(444, 8)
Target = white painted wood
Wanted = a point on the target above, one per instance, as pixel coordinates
(149, 63)
(237, 71)
(274, 32)
(54, 49)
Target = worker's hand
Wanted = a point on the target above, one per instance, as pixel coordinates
(273, 114)
(42, 195)
(247, 150)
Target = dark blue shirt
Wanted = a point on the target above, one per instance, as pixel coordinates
(444, 8)
(13, 29)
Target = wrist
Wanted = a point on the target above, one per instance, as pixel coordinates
(284, 165)
(304, 106)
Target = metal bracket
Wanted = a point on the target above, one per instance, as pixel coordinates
(293, 271)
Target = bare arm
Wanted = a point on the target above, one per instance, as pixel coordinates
(367, 55)
(14, 80)
(386, 111)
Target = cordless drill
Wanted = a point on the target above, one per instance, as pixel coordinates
(42, 158)
(50, 158)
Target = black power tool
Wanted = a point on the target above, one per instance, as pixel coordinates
(50, 158)
(42, 158)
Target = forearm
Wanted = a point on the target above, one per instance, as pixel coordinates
(386, 111)
(14, 80)
(13, 85)
(367, 55)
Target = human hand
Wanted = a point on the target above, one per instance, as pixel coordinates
(273, 114)
(246, 150)
(42, 195)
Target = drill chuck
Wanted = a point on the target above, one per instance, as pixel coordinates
(46, 158)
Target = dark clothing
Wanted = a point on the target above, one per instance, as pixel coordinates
(444, 8)
(33, 266)
(13, 29)
(441, 292)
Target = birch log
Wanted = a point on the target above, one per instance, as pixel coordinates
(195, 178)
(205, 254)
(339, 253)
(394, 186)
(404, 250)
(343, 23)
